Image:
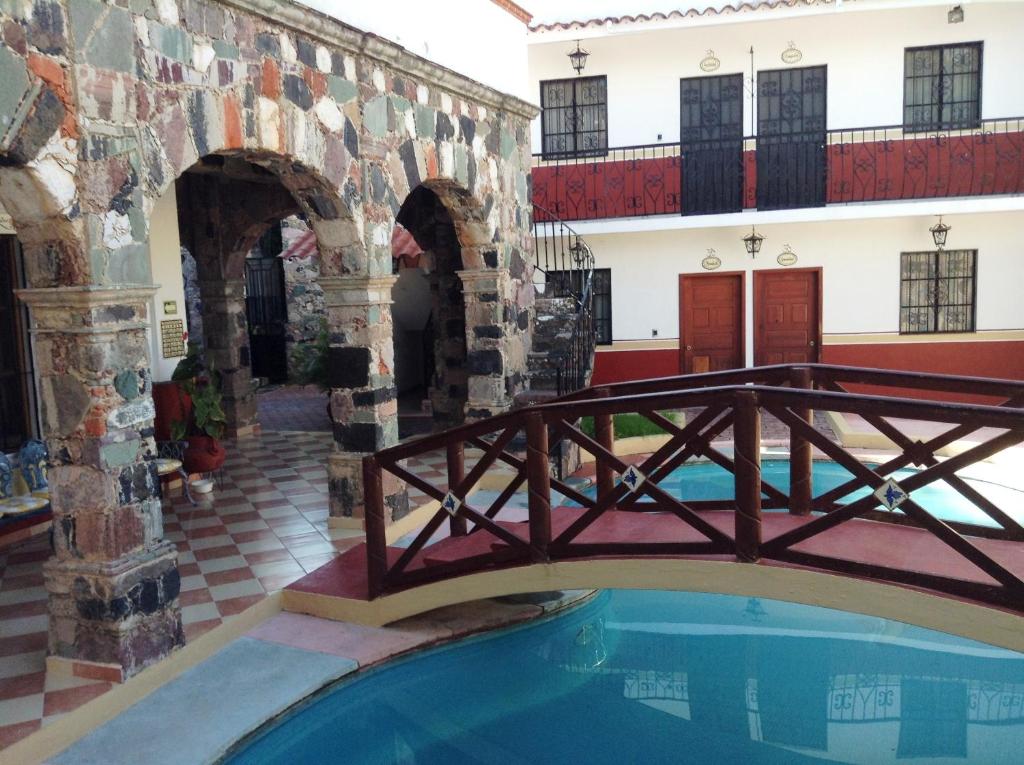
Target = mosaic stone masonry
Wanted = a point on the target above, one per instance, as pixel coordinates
(106, 105)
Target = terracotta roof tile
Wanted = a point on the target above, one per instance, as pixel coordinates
(739, 6)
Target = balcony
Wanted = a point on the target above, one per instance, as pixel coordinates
(881, 164)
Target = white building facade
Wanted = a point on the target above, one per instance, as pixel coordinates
(839, 132)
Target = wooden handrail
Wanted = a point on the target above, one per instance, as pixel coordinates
(733, 399)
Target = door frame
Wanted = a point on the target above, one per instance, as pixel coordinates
(741, 276)
(758, 327)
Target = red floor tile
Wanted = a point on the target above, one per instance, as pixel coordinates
(206, 531)
(22, 685)
(194, 630)
(21, 610)
(233, 606)
(267, 556)
(188, 569)
(23, 581)
(195, 597)
(59, 702)
(211, 553)
(9, 646)
(230, 576)
(9, 734)
(259, 535)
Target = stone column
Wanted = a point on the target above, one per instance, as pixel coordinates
(487, 293)
(226, 340)
(113, 582)
(364, 404)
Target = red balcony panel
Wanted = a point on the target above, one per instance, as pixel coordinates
(926, 167)
(609, 189)
(977, 163)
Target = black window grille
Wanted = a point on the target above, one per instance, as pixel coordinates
(574, 117)
(937, 291)
(942, 87)
(571, 282)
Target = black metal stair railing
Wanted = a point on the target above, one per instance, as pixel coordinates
(566, 263)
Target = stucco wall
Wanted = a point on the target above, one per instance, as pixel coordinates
(863, 50)
(860, 262)
(165, 261)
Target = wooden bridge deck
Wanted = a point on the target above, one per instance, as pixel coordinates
(857, 541)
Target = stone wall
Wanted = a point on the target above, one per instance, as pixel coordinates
(304, 295)
(105, 105)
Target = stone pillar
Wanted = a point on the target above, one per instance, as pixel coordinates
(364, 404)
(226, 343)
(113, 582)
(487, 293)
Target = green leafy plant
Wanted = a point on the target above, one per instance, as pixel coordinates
(629, 425)
(309, 360)
(202, 383)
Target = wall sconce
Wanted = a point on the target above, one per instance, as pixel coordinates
(955, 15)
(939, 232)
(578, 58)
(752, 242)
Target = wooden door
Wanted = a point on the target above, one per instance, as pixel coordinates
(791, 138)
(711, 143)
(710, 322)
(787, 316)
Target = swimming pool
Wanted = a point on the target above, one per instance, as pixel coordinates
(650, 677)
(707, 480)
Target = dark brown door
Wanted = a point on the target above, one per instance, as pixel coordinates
(710, 322)
(787, 314)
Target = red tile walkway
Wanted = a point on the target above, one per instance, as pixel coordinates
(262, 528)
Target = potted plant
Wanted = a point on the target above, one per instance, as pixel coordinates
(309, 363)
(204, 426)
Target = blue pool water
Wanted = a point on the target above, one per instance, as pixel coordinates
(706, 480)
(660, 677)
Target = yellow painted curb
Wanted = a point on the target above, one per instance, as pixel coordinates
(969, 620)
(59, 735)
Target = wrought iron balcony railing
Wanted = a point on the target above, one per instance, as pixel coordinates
(835, 167)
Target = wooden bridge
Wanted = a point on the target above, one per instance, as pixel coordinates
(632, 526)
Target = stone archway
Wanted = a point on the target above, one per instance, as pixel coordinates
(426, 218)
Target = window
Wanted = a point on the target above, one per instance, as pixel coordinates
(569, 282)
(937, 291)
(942, 87)
(574, 117)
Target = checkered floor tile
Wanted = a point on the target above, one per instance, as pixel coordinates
(264, 526)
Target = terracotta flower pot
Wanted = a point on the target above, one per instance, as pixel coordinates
(203, 455)
(172, 404)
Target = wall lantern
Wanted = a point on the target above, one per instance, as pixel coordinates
(578, 58)
(752, 242)
(939, 231)
(955, 15)
(578, 251)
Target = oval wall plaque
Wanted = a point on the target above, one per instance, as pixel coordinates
(711, 261)
(791, 55)
(710, 62)
(787, 257)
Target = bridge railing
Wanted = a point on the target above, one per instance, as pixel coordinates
(561, 522)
